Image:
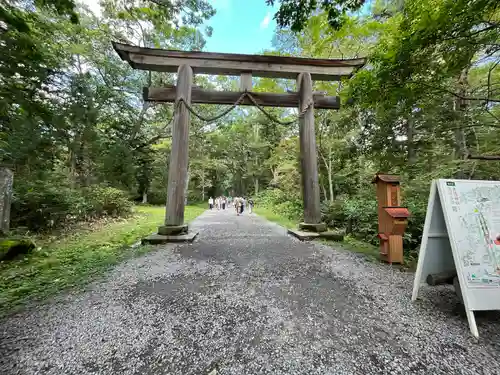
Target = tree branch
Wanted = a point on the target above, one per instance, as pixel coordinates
(492, 114)
(441, 89)
(492, 26)
(473, 126)
(492, 67)
(483, 157)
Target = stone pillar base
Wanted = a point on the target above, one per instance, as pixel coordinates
(157, 239)
(307, 236)
(172, 230)
(318, 228)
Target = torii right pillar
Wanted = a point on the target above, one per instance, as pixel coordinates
(308, 158)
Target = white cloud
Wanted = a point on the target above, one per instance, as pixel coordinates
(265, 22)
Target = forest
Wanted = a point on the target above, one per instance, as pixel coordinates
(83, 144)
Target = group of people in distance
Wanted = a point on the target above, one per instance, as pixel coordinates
(239, 203)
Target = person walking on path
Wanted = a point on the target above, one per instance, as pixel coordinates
(250, 205)
(210, 202)
(242, 205)
(224, 203)
(237, 205)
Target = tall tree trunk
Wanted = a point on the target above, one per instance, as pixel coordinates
(329, 166)
(186, 188)
(330, 186)
(410, 145)
(256, 139)
(323, 188)
(203, 185)
(460, 108)
(72, 167)
(330, 175)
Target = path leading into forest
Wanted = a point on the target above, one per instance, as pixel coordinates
(245, 298)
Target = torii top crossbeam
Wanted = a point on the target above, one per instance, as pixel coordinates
(234, 64)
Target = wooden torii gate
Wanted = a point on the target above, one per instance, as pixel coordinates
(304, 70)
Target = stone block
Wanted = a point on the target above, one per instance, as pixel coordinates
(168, 230)
(303, 235)
(308, 236)
(333, 236)
(158, 239)
(319, 227)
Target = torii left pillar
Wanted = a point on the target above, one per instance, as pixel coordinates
(308, 158)
(179, 158)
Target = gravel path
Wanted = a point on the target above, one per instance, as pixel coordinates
(246, 299)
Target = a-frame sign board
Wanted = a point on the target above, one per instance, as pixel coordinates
(461, 232)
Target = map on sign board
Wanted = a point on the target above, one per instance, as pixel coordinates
(475, 219)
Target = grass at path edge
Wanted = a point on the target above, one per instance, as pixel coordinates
(270, 215)
(75, 259)
(350, 244)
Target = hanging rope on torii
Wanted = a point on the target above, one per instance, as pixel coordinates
(184, 94)
(225, 112)
(242, 97)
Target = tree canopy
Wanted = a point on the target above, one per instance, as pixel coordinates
(72, 118)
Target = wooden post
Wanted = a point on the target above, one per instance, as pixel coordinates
(308, 157)
(178, 169)
(246, 81)
(392, 218)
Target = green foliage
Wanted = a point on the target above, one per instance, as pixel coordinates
(77, 258)
(279, 202)
(270, 215)
(157, 197)
(357, 215)
(45, 204)
(427, 99)
(107, 201)
(295, 13)
(73, 127)
(11, 248)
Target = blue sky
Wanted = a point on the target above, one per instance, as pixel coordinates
(240, 27)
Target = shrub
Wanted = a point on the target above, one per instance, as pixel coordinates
(106, 201)
(415, 198)
(333, 213)
(291, 210)
(356, 214)
(157, 197)
(12, 248)
(41, 204)
(362, 218)
(281, 203)
(44, 204)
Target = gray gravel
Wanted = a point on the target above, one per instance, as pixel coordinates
(246, 299)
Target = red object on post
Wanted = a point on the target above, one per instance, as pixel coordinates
(397, 212)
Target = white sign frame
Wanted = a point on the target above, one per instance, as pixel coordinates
(440, 251)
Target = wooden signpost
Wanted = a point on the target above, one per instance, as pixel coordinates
(392, 218)
(188, 63)
(461, 237)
